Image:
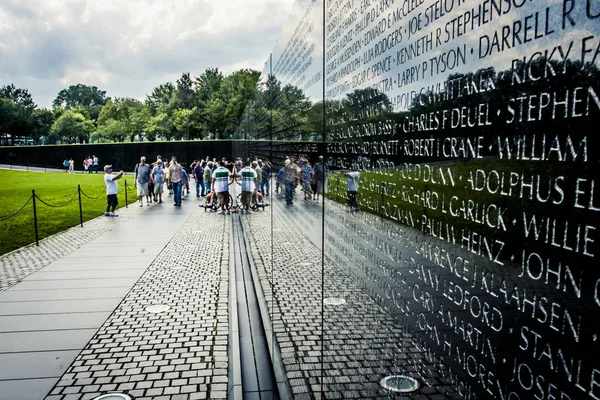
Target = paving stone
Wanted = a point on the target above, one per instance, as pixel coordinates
(19, 264)
(147, 354)
(333, 349)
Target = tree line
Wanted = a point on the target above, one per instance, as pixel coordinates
(208, 106)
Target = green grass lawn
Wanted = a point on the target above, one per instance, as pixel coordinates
(513, 206)
(55, 189)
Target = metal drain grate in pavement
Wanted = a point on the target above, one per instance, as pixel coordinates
(113, 396)
(157, 308)
(333, 301)
(399, 383)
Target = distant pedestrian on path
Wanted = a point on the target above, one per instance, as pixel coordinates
(85, 165)
(185, 183)
(176, 177)
(221, 179)
(142, 177)
(90, 164)
(95, 162)
(71, 165)
(66, 165)
(112, 189)
(207, 176)
(158, 177)
(352, 188)
(258, 169)
(198, 172)
(266, 178)
(290, 176)
(307, 173)
(320, 177)
(280, 184)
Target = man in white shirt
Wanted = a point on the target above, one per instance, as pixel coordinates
(95, 161)
(221, 179)
(112, 188)
(249, 181)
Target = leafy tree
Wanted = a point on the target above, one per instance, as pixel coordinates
(159, 126)
(113, 130)
(207, 84)
(224, 110)
(18, 122)
(89, 97)
(71, 126)
(42, 120)
(135, 124)
(184, 119)
(314, 122)
(160, 99)
(95, 137)
(8, 111)
(18, 96)
(131, 112)
(184, 94)
(109, 111)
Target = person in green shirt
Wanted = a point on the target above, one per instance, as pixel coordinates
(207, 176)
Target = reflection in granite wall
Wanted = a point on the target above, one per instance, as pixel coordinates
(121, 155)
(466, 130)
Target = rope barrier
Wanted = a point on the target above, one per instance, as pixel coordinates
(16, 212)
(53, 206)
(92, 198)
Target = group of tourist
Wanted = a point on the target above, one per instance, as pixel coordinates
(214, 178)
(90, 164)
(253, 177)
(311, 179)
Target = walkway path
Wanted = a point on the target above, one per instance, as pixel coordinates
(79, 326)
(94, 299)
(341, 350)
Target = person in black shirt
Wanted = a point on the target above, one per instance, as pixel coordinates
(319, 176)
(266, 178)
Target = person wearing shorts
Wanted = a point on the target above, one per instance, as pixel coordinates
(142, 177)
(112, 189)
(221, 179)
(158, 177)
(249, 181)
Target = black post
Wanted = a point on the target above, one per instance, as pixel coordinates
(126, 194)
(37, 239)
(80, 210)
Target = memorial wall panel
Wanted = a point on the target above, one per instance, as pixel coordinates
(461, 214)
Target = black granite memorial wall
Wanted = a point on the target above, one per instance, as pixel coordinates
(122, 155)
(467, 130)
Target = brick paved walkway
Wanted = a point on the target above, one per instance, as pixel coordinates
(85, 329)
(18, 264)
(179, 354)
(73, 319)
(331, 351)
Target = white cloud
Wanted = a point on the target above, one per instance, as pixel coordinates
(127, 47)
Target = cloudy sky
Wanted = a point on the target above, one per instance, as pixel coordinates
(127, 47)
